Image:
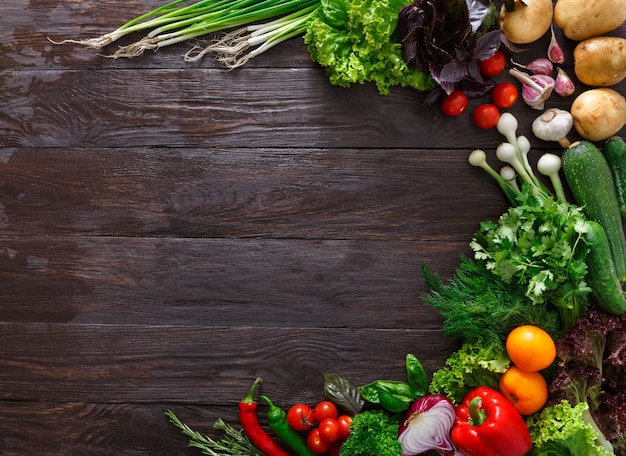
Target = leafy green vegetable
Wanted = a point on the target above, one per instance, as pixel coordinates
(475, 298)
(373, 432)
(396, 396)
(447, 39)
(473, 365)
(591, 360)
(416, 375)
(353, 40)
(539, 244)
(343, 393)
(561, 429)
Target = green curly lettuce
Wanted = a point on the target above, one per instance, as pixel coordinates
(561, 429)
(353, 40)
(473, 365)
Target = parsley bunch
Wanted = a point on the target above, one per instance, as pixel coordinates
(539, 244)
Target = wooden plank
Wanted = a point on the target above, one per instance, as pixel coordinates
(27, 28)
(276, 193)
(220, 282)
(178, 108)
(48, 428)
(270, 107)
(196, 365)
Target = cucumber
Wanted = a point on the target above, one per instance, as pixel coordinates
(589, 177)
(601, 276)
(614, 151)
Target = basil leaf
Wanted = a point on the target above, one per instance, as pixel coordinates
(343, 393)
(395, 404)
(416, 375)
(395, 396)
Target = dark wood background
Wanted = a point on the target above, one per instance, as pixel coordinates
(169, 231)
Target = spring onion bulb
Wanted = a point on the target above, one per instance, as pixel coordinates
(234, 48)
(509, 175)
(550, 165)
(478, 158)
(171, 24)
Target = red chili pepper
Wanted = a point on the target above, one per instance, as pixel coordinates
(252, 428)
(487, 424)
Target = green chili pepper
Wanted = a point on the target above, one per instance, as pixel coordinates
(277, 419)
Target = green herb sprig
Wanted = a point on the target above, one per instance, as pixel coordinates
(233, 442)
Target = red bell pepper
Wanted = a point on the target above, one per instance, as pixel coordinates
(487, 424)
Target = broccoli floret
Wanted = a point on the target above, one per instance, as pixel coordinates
(373, 432)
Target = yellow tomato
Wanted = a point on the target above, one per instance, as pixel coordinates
(530, 348)
(528, 391)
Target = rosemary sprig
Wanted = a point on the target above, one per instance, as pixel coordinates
(233, 443)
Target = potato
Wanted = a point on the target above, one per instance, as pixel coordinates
(598, 113)
(600, 61)
(582, 19)
(527, 23)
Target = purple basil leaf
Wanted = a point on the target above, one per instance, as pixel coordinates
(478, 10)
(487, 45)
(473, 70)
(454, 71)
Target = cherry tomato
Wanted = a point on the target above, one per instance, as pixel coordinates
(316, 443)
(494, 65)
(300, 417)
(486, 116)
(329, 430)
(323, 410)
(454, 104)
(504, 95)
(344, 422)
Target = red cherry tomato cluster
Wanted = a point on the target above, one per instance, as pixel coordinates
(326, 429)
(504, 95)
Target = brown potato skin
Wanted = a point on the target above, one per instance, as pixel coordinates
(598, 113)
(582, 19)
(527, 23)
(600, 61)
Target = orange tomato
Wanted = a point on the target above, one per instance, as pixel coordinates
(530, 348)
(528, 391)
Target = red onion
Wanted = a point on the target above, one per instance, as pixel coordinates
(426, 427)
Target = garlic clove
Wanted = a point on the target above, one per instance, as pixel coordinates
(555, 52)
(563, 84)
(536, 88)
(540, 66)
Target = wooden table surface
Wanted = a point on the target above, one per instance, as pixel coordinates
(169, 231)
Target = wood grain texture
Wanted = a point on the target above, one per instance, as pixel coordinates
(220, 282)
(51, 428)
(381, 194)
(198, 365)
(171, 230)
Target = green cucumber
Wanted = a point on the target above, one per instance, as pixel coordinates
(614, 151)
(601, 276)
(589, 177)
